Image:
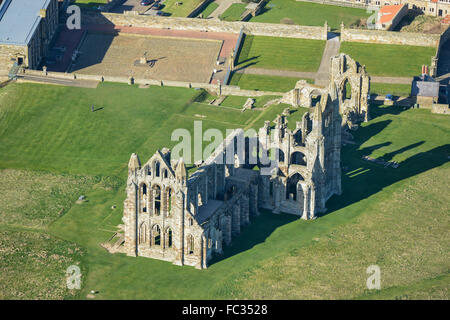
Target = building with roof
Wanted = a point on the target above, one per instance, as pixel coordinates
(389, 16)
(26, 30)
(425, 89)
(437, 8)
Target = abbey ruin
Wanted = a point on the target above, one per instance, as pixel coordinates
(186, 220)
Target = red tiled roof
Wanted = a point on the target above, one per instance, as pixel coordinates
(388, 12)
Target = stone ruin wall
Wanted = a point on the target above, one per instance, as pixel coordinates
(306, 175)
(389, 37)
(208, 25)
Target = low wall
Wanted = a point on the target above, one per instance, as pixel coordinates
(390, 37)
(206, 25)
(339, 3)
(224, 89)
(440, 108)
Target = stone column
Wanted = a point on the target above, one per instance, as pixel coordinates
(236, 223)
(254, 200)
(130, 220)
(245, 210)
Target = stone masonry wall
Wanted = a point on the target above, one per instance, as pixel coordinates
(8, 52)
(389, 37)
(207, 25)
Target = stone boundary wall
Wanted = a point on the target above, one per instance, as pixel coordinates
(222, 90)
(390, 37)
(206, 25)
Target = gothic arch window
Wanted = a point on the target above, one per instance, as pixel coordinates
(291, 187)
(156, 233)
(190, 244)
(143, 233)
(157, 168)
(144, 189)
(347, 90)
(298, 158)
(170, 200)
(169, 238)
(157, 200)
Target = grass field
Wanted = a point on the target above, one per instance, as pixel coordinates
(389, 60)
(183, 10)
(402, 90)
(310, 14)
(281, 53)
(395, 218)
(209, 9)
(264, 83)
(234, 12)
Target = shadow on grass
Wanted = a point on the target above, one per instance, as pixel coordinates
(259, 229)
(380, 110)
(360, 180)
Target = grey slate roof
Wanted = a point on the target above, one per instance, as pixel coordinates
(19, 20)
(425, 88)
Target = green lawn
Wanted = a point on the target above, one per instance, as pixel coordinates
(89, 4)
(209, 9)
(395, 218)
(264, 83)
(182, 10)
(389, 60)
(281, 53)
(402, 90)
(310, 14)
(234, 12)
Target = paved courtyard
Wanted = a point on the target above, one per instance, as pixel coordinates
(171, 58)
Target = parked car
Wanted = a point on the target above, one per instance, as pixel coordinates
(146, 2)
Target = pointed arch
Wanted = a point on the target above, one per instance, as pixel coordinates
(190, 244)
(143, 231)
(291, 186)
(156, 235)
(156, 199)
(169, 237)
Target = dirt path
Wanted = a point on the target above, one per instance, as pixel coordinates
(331, 49)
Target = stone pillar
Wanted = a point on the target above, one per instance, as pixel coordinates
(236, 221)
(178, 238)
(204, 246)
(254, 200)
(245, 210)
(130, 220)
(227, 229)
